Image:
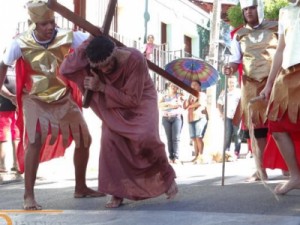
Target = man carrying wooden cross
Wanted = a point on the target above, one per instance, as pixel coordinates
(133, 163)
(48, 102)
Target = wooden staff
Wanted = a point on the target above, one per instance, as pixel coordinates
(258, 98)
(94, 30)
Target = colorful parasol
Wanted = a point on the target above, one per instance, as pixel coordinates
(190, 69)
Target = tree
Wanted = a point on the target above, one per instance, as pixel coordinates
(272, 8)
(271, 11)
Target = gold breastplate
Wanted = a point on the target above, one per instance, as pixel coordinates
(258, 48)
(45, 82)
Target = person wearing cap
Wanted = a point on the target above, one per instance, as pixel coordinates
(133, 163)
(48, 103)
(253, 46)
(282, 91)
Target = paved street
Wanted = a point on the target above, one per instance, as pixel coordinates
(201, 199)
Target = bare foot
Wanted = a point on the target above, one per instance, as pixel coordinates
(31, 204)
(257, 177)
(172, 191)
(114, 202)
(88, 193)
(282, 189)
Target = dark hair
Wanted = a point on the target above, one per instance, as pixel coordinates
(99, 48)
(198, 81)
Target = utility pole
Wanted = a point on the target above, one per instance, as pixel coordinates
(215, 34)
(213, 58)
(146, 19)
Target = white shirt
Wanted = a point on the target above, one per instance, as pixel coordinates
(13, 50)
(233, 98)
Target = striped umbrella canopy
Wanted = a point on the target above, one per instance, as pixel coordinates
(190, 69)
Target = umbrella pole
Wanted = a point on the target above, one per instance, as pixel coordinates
(224, 138)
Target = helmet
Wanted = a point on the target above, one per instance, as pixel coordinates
(260, 8)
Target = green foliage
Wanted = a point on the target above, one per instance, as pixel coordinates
(234, 15)
(204, 41)
(272, 8)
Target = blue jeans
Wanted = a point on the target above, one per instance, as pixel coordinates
(231, 131)
(198, 128)
(173, 127)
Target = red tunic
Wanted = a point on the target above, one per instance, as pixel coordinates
(283, 114)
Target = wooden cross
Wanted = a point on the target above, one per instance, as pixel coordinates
(94, 30)
(87, 97)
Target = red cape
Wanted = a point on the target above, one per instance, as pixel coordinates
(48, 152)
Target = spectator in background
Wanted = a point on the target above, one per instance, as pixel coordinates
(9, 133)
(172, 119)
(231, 130)
(148, 50)
(198, 119)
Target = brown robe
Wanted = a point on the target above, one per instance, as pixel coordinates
(133, 162)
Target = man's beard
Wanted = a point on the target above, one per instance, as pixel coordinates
(113, 68)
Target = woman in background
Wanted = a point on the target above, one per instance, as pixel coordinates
(172, 120)
(198, 119)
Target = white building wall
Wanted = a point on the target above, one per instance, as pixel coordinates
(95, 11)
(181, 18)
(131, 18)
